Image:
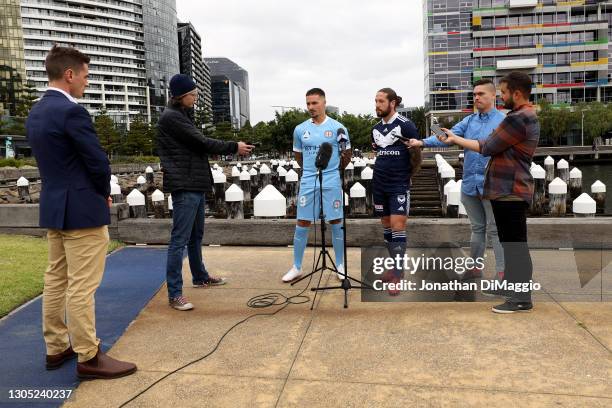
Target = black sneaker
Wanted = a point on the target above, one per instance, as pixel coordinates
(511, 307)
(212, 281)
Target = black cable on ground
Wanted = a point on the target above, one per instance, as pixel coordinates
(256, 302)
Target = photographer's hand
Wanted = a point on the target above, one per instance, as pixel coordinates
(244, 149)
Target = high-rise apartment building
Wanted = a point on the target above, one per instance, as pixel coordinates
(110, 32)
(562, 45)
(12, 64)
(191, 62)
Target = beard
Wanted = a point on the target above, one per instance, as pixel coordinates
(509, 103)
(382, 114)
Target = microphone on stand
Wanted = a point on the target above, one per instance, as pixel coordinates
(323, 156)
(342, 138)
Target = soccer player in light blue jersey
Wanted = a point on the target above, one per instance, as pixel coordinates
(307, 138)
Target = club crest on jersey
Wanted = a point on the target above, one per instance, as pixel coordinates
(306, 135)
(401, 199)
(337, 204)
(328, 134)
(384, 140)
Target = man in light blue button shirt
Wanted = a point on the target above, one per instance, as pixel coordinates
(480, 213)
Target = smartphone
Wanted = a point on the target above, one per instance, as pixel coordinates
(436, 130)
(256, 144)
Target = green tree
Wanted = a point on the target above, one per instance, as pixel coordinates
(360, 129)
(597, 120)
(282, 128)
(417, 116)
(139, 138)
(223, 131)
(202, 117)
(554, 122)
(109, 136)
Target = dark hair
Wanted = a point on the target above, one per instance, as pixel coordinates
(484, 81)
(60, 59)
(391, 96)
(518, 81)
(316, 91)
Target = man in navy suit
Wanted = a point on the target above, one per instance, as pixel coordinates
(74, 207)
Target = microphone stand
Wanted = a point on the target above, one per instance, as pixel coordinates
(346, 282)
(323, 253)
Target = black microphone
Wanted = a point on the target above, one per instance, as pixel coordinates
(323, 156)
(342, 138)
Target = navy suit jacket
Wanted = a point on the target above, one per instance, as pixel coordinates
(74, 169)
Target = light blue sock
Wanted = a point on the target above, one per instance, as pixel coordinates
(300, 240)
(338, 241)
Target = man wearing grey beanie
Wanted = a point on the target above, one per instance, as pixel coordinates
(183, 151)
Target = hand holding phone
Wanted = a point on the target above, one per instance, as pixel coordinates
(437, 131)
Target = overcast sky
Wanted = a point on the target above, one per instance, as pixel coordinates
(349, 48)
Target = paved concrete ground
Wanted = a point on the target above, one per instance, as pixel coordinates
(369, 355)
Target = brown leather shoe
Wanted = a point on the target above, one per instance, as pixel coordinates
(104, 367)
(55, 361)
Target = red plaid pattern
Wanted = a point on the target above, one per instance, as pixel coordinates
(511, 147)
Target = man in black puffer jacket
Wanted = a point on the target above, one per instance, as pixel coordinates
(184, 151)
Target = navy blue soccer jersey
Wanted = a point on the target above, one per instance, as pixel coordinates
(392, 170)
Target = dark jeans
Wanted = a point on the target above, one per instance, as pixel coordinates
(187, 230)
(511, 220)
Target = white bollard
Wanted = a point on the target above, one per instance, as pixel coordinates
(23, 189)
(136, 201)
(563, 170)
(114, 179)
(584, 206)
(557, 195)
(291, 192)
(549, 167)
(359, 165)
(219, 180)
(575, 183)
(446, 189)
(453, 200)
(116, 193)
(254, 182)
(245, 184)
(157, 198)
(269, 203)
(366, 180)
(349, 175)
(234, 198)
(282, 173)
(598, 191)
(297, 168)
(357, 200)
(150, 175)
(539, 190)
(236, 175)
(264, 176)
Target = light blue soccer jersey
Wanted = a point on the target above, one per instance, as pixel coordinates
(307, 138)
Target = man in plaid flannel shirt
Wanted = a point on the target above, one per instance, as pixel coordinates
(509, 185)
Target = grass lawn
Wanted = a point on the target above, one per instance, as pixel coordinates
(23, 261)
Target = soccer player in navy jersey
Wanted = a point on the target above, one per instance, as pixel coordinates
(392, 172)
(307, 139)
